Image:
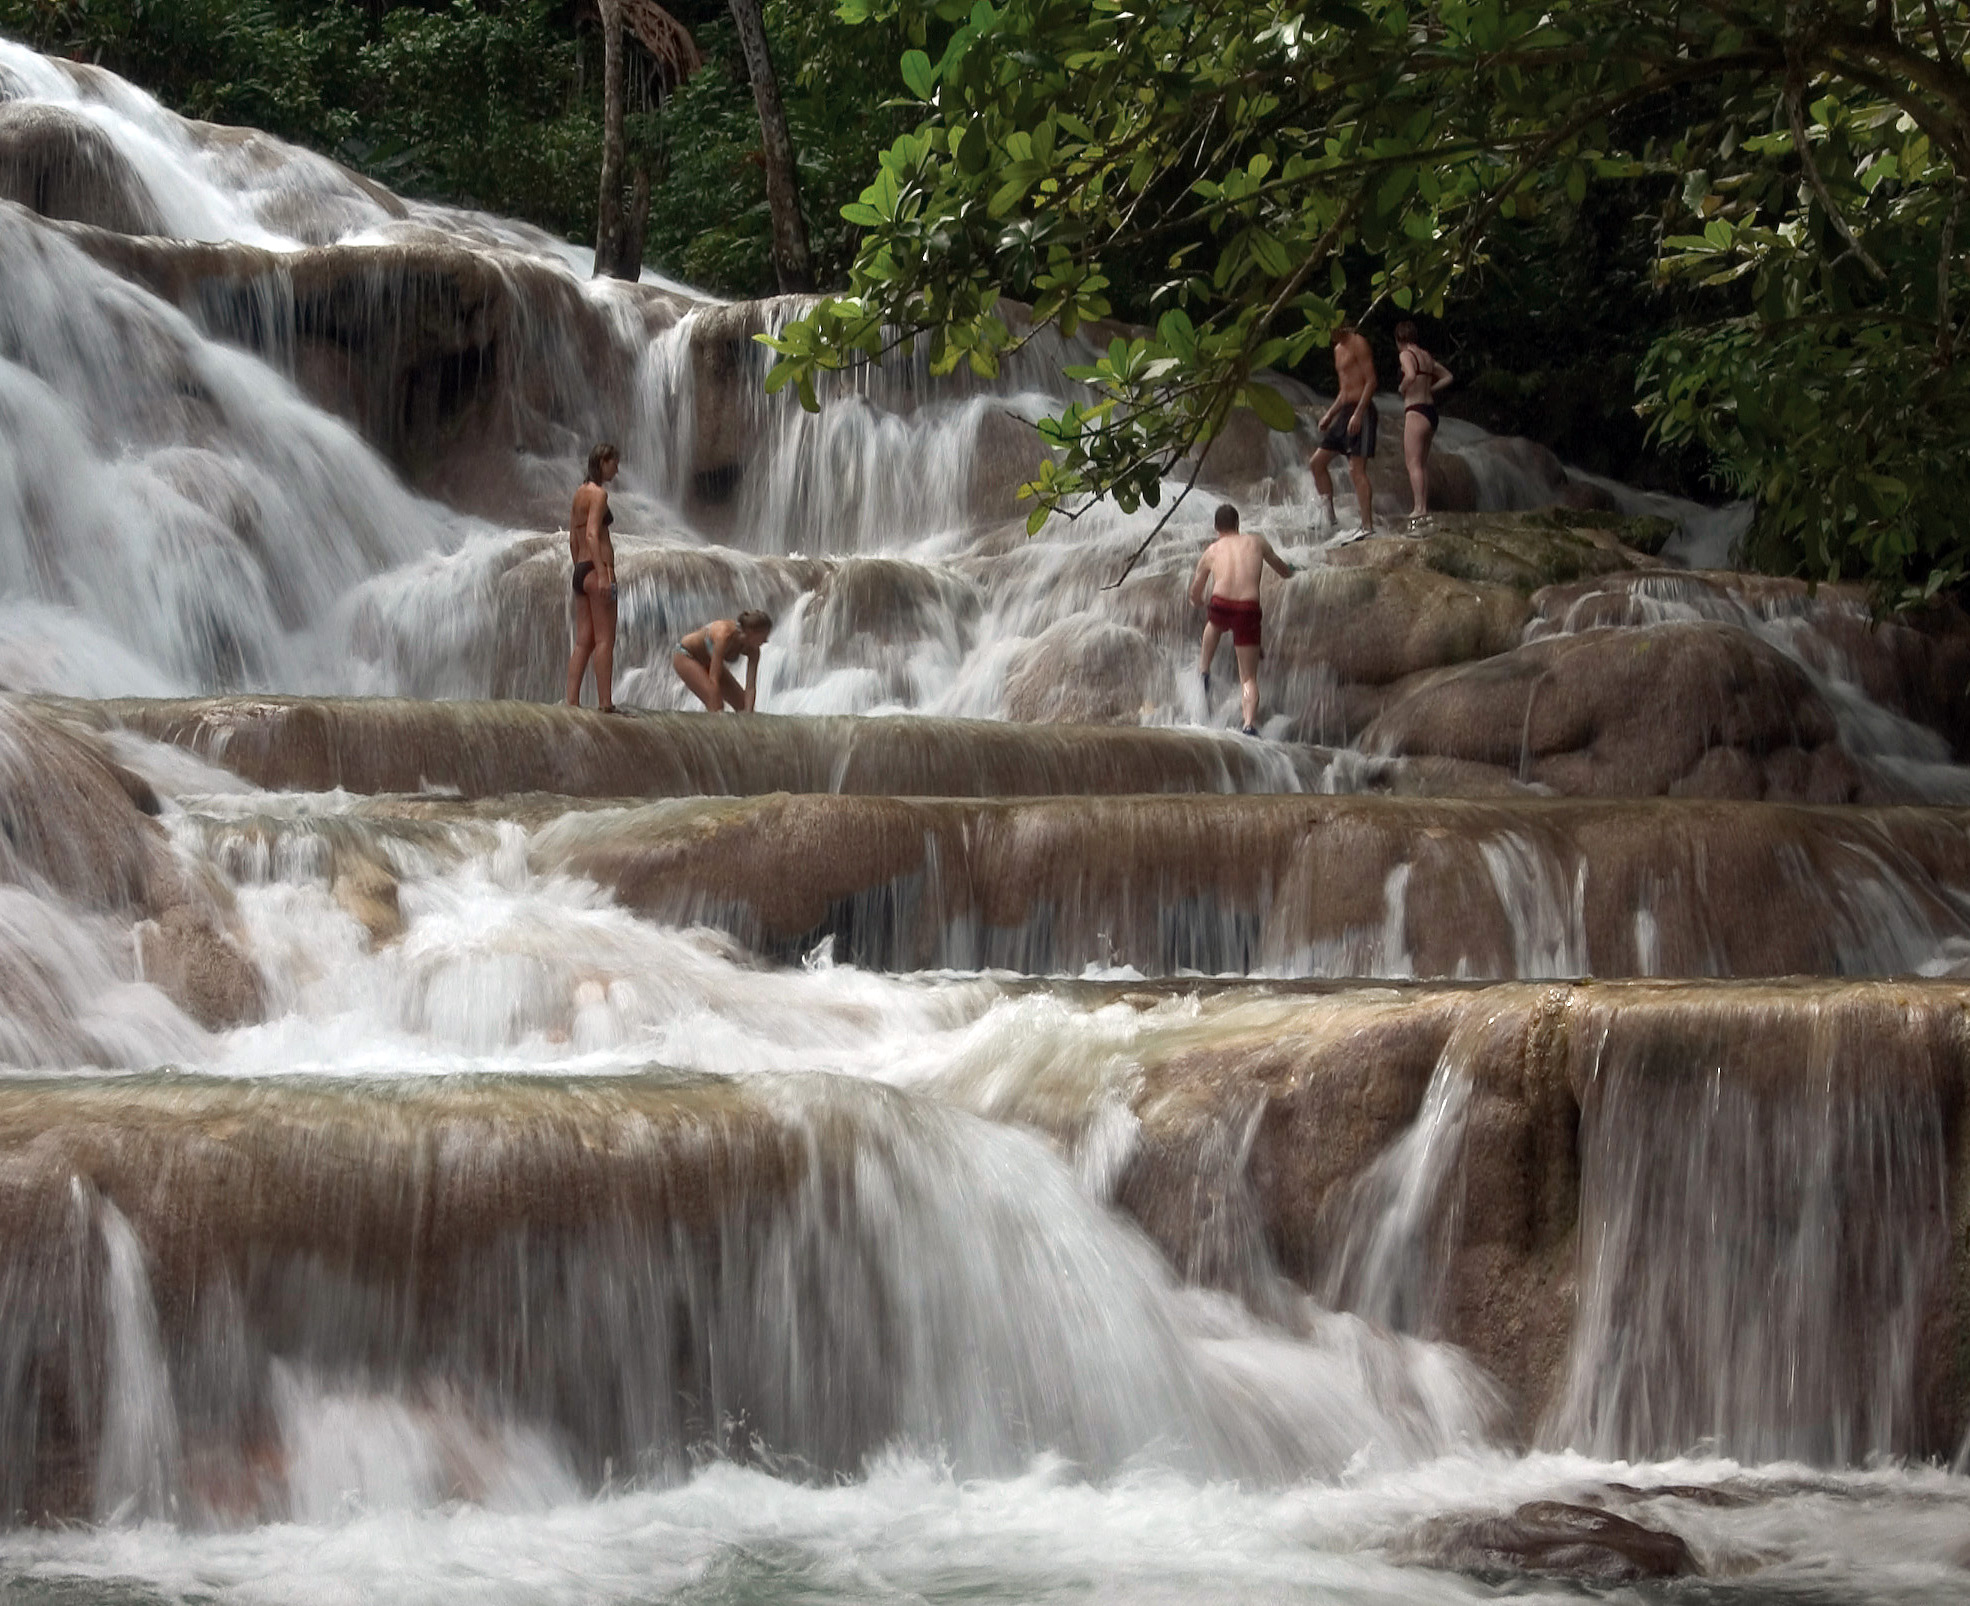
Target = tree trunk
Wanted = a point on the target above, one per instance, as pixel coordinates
(790, 262)
(608, 210)
(629, 260)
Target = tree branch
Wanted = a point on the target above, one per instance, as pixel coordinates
(1833, 212)
(1945, 334)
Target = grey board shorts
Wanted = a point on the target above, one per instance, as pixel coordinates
(1338, 439)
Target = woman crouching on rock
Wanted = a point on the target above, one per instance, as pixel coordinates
(595, 580)
(702, 660)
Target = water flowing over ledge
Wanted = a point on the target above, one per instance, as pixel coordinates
(224, 1296)
(478, 1145)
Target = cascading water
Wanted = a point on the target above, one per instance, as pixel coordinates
(459, 1149)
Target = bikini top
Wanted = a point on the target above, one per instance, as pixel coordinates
(608, 513)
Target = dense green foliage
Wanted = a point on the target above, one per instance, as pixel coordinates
(1279, 166)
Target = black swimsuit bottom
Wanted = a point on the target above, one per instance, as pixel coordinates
(1426, 409)
(582, 568)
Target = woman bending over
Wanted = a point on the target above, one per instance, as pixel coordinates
(702, 660)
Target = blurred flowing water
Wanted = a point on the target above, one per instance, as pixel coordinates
(535, 1246)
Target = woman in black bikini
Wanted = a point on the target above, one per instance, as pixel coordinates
(1421, 379)
(595, 580)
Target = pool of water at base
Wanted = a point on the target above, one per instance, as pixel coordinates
(909, 1532)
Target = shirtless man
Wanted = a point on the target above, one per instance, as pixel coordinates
(1230, 567)
(1347, 428)
(701, 660)
(1423, 378)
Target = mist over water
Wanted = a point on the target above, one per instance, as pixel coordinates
(531, 1243)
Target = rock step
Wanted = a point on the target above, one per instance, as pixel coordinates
(587, 1257)
(484, 749)
(1295, 886)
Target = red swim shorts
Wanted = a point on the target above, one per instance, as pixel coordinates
(1241, 619)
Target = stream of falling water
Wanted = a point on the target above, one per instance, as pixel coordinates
(900, 1341)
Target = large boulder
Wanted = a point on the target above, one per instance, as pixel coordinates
(1915, 664)
(58, 163)
(1553, 1538)
(1683, 710)
(1084, 670)
(1340, 639)
(76, 828)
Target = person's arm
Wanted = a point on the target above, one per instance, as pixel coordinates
(1197, 580)
(1327, 418)
(599, 541)
(717, 672)
(1443, 380)
(1280, 566)
(752, 677)
(1370, 382)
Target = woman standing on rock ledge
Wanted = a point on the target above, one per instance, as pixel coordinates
(595, 580)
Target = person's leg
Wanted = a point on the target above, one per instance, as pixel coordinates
(694, 675)
(1248, 686)
(730, 689)
(1417, 433)
(584, 647)
(1323, 482)
(603, 606)
(1212, 636)
(1364, 493)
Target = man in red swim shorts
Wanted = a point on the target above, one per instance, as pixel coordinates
(1230, 568)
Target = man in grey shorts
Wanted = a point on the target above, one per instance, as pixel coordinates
(1347, 428)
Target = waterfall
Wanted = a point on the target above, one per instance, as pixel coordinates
(1760, 1268)
(980, 1126)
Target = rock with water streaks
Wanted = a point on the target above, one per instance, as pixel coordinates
(1514, 1170)
(76, 826)
(1084, 670)
(1554, 1539)
(1684, 710)
(59, 164)
(488, 748)
(1322, 886)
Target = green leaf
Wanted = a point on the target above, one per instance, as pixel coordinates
(1274, 410)
(919, 74)
(974, 150)
(1177, 332)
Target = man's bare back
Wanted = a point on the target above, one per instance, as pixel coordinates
(1230, 567)
(1232, 562)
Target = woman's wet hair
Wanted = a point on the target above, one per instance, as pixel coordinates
(753, 622)
(1405, 333)
(603, 453)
